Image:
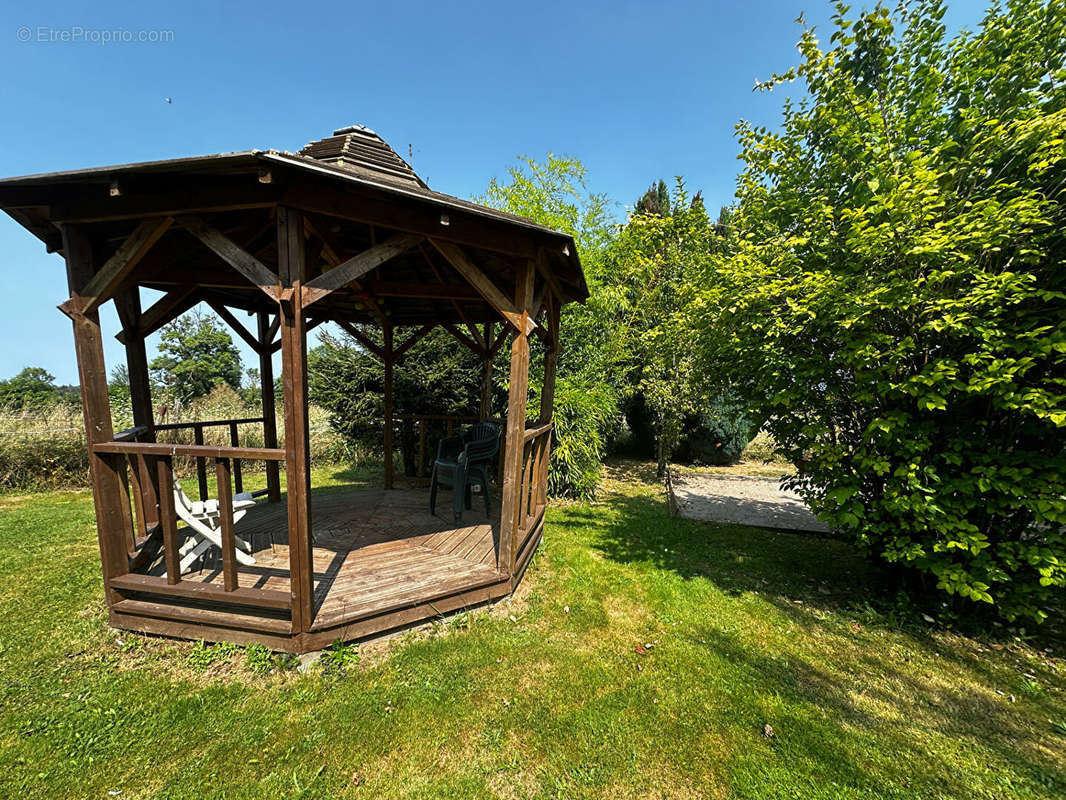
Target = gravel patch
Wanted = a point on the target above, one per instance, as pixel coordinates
(741, 500)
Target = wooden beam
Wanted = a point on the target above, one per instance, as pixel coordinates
(332, 256)
(169, 518)
(463, 338)
(357, 266)
(164, 197)
(549, 277)
(485, 406)
(501, 337)
(389, 359)
(518, 397)
(103, 284)
(235, 324)
(356, 334)
(514, 452)
(423, 291)
(547, 397)
(128, 305)
(245, 263)
(108, 494)
(266, 389)
(167, 308)
(272, 331)
(292, 266)
(224, 490)
(309, 325)
(551, 357)
(484, 285)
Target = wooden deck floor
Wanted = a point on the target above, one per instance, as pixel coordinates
(374, 551)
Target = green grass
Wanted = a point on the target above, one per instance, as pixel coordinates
(642, 658)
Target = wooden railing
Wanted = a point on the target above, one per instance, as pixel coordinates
(533, 489)
(197, 429)
(156, 459)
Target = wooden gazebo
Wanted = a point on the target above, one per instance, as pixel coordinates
(343, 231)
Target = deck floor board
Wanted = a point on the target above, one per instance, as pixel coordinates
(373, 550)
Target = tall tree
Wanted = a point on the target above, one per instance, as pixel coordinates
(196, 354)
(896, 306)
(655, 201)
(554, 192)
(34, 387)
(656, 262)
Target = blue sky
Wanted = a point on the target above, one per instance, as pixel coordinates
(636, 90)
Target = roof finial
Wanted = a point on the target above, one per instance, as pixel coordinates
(354, 129)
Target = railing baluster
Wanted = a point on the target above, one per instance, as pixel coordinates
(225, 515)
(534, 482)
(118, 463)
(168, 518)
(523, 494)
(238, 479)
(545, 464)
(141, 526)
(201, 464)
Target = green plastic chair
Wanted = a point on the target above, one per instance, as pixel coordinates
(461, 460)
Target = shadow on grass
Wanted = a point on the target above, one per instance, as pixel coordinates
(957, 687)
(818, 722)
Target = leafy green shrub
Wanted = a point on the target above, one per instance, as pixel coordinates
(716, 436)
(761, 448)
(583, 415)
(896, 308)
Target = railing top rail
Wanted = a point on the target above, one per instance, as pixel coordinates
(193, 450)
(130, 434)
(454, 417)
(534, 432)
(214, 423)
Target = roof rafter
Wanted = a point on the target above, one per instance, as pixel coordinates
(102, 286)
(356, 267)
(484, 285)
(234, 255)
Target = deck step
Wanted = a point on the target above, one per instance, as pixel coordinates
(268, 599)
(203, 616)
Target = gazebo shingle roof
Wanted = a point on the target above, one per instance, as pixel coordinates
(359, 149)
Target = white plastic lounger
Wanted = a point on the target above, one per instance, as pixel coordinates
(203, 517)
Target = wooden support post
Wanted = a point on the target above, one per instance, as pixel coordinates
(168, 518)
(547, 394)
(292, 268)
(108, 496)
(270, 423)
(235, 441)
(510, 513)
(225, 520)
(386, 333)
(201, 464)
(421, 448)
(128, 305)
(485, 407)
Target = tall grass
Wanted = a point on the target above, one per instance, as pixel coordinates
(44, 449)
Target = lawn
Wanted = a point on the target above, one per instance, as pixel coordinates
(643, 657)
